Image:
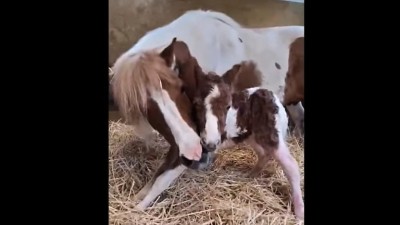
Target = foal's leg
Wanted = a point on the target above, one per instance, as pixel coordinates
(262, 157)
(165, 175)
(292, 172)
(296, 113)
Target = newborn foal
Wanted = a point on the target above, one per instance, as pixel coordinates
(258, 118)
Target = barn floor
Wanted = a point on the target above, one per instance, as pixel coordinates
(221, 195)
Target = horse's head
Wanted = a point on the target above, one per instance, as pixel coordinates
(146, 89)
(209, 93)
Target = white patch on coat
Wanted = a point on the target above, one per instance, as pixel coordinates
(162, 182)
(211, 134)
(231, 128)
(281, 119)
(186, 138)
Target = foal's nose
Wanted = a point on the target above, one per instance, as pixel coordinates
(211, 147)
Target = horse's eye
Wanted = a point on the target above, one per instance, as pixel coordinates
(228, 107)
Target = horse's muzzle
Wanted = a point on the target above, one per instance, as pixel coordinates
(204, 161)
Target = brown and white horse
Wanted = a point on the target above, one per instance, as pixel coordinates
(219, 42)
(232, 105)
(149, 91)
(149, 95)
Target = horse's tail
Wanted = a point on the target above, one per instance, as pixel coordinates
(133, 77)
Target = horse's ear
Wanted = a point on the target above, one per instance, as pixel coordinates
(168, 53)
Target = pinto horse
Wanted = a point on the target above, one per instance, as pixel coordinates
(149, 95)
(219, 42)
(232, 109)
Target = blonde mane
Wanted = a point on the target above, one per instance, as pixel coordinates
(135, 77)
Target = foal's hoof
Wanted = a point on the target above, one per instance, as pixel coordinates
(299, 212)
(254, 173)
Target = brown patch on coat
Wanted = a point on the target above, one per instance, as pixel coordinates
(242, 76)
(256, 116)
(294, 88)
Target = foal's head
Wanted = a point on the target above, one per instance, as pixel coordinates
(209, 93)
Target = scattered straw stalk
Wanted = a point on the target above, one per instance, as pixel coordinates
(223, 194)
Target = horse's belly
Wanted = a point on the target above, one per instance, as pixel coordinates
(274, 72)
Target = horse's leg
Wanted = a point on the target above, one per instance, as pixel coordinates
(296, 113)
(291, 169)
(144, 130)
(164, 166)
(165, 175)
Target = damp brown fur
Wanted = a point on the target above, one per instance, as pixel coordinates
(256, 114)
(242, 76)
(256, 117)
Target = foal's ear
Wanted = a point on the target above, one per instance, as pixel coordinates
(196, 101)
(230, 75)
(168, 53)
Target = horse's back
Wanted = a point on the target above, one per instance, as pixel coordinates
(273, 59)
(211, 41)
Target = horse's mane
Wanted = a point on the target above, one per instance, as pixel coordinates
(136, 76)
(222, 17)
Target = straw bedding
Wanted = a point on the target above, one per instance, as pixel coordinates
(222, 194)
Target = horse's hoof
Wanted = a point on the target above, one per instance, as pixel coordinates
(207, 158)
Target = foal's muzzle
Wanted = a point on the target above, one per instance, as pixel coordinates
(209, 147)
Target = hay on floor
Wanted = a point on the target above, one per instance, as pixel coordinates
(223, 194)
